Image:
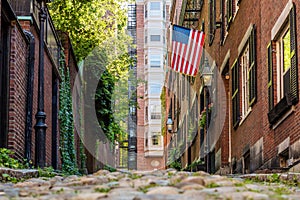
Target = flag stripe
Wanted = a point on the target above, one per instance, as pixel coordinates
(187, 46)
(195, 59)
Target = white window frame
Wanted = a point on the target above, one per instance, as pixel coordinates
(244, 63)
(280, 62)
(154, 59)
(155, 88)
(153, 11)
(155, 111)
(277, 31)
(154, 36)
(159, 139)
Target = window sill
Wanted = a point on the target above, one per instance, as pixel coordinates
(286, 115)
(280, 110)
(245, 116)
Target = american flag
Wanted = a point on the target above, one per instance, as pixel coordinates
(187, 46)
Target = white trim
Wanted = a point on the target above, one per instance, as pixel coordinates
(225, 60)
(283, 145)
(246, 115)
(281, 20)
(245, 39)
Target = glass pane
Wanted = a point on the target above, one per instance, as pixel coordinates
(155, 38)
(286, 51)
(155, 6)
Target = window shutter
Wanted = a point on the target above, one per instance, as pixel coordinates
(293, 95)
(235, 94)
(270, 77)
(252, 69)
(229, 12)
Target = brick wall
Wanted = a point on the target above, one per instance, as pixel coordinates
(17, 91)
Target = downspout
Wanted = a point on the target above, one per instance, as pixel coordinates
(29, 100)
(229, 135)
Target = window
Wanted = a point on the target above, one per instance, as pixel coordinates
(155, 9)
(155, 61)
(146, 59)
(283, 51)
(155, 112)
(164, 11)
(155, 88)
(244, 60)
(282, 70)
(146, 139)
(235, 94)
(154, 5)
(244, 67)
(156, 138)
(155, 38)
(146, 11)
(146, 36)
(231, 7)
(212, 20)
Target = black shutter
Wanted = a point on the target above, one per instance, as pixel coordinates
(252, 68)
(293, 94)
(229, 12)
(235, 94)
(270, 77)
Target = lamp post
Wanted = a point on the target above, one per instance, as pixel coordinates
(40, 126)
(207, 79)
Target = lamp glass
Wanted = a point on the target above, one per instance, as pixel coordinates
(207, 75)
(169, 124)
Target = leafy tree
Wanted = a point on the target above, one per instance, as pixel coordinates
(88, 22)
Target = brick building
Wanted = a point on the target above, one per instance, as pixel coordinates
(151, 53)
(20, 39)
(254, 47)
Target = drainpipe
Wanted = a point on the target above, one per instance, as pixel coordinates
(29, 100)
(229, 134)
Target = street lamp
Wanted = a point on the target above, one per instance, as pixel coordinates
(41, 126)
(207, 79)
(170, 123)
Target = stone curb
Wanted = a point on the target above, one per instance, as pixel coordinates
(19, 173)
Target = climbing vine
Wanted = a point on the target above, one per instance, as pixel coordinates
(67, 146)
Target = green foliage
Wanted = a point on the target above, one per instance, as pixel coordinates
(88, 23)
(163, 110)
(67, 147)
(46, 172)
(8, 178)
(175, 165)
(274, 178)
(110, 168)
(202, 120)
(146, 188)
(102, 190)
(212, 185)
(6, 160)
(194, 164)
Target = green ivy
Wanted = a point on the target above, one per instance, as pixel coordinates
(7, 160)
(67, 147)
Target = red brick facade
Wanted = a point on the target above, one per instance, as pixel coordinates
(256, 142)
(18, 79)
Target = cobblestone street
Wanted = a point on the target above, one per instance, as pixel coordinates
(159, 184)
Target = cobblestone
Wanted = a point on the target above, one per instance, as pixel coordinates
(154, 185)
